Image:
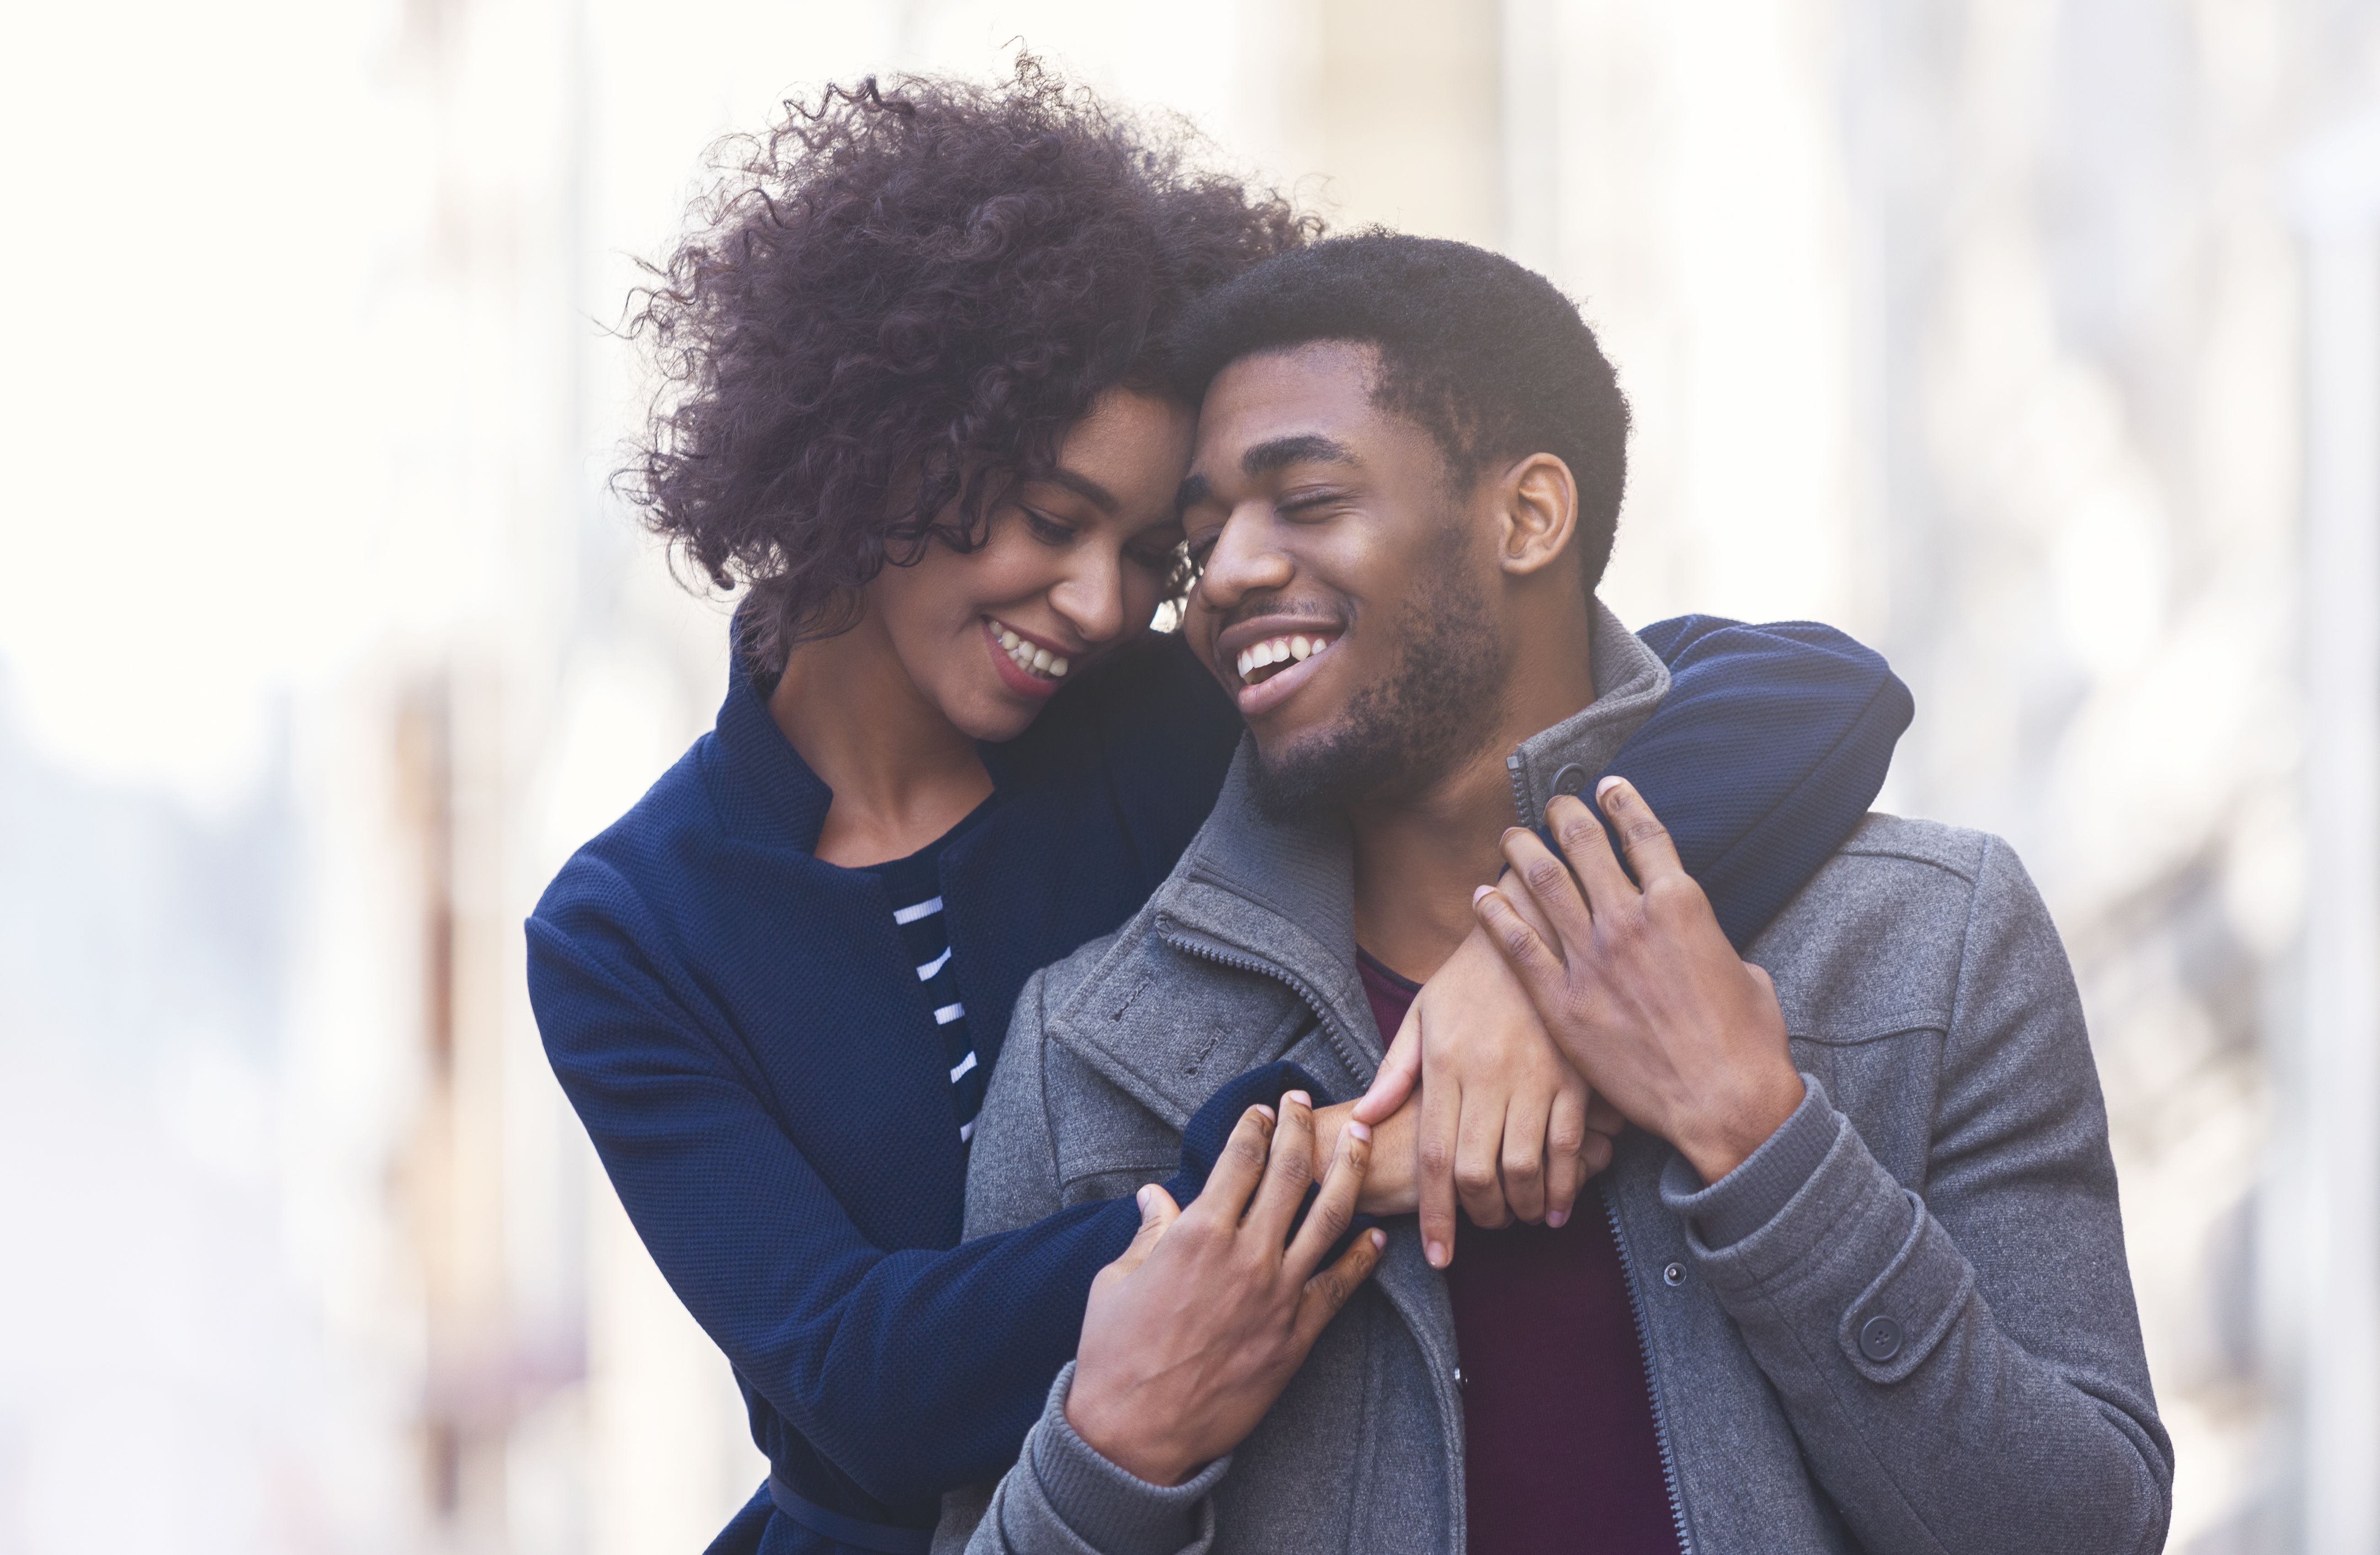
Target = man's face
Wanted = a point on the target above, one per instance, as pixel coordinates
(1343, 600)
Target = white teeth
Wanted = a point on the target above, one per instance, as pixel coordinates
(1029, 658)
(1281, 651)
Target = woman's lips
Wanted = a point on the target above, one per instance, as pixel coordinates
(1015, 675)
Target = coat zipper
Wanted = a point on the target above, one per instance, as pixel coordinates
(1173, 934)
(1627, 1268)
(1645, 1350)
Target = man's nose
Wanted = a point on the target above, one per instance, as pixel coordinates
(1245, 560)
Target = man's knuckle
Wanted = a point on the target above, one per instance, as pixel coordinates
(1331, 1218)
(1523, 1169)
(1473, 1176)
(1434, 1156)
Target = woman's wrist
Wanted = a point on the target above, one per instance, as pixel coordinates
(1388, 1186)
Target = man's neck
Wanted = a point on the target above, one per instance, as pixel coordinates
(1418, 859)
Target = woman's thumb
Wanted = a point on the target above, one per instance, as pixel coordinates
(1399, 1070)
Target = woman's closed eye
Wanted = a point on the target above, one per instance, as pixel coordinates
(1048, 530)
(1159, 553)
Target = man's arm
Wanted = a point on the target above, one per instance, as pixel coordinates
(1965, 1371)
(1187, 1340)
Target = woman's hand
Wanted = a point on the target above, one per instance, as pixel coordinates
(1197, 1328)
(1639, 984)
(1505, 1127)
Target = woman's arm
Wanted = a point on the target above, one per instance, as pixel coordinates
(910, 1371)
(1504, 1124)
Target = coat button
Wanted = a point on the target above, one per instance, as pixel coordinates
(1879, 1338)
(1571, 779)
(1460, 1380)
(1674, 1274)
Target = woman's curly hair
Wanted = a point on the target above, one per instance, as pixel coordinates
(893, 305)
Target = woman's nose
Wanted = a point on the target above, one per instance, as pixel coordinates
(1090, 596)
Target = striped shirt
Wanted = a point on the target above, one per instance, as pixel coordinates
(915, 885)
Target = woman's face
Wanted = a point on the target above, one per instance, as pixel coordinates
(1072, 568)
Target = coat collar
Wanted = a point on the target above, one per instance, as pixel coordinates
(1278, 896)
(768, 789)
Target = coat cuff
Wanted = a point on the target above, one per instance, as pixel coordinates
(1102, 1508)
(1853, 1255)
(1750, 1197)
(1209, 1128)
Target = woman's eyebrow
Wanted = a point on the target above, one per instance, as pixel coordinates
(1083, 486)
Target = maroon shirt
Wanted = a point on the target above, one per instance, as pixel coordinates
(1556, 1408)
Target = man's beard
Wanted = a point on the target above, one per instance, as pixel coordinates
(1402, 734)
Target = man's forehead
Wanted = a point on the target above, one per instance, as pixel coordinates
(1318, 378)
(1265, 411)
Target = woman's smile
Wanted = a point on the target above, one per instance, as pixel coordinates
(1024, 663)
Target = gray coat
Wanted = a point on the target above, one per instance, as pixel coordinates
(1905, 1324)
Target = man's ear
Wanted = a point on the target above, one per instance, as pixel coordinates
(1539, 503)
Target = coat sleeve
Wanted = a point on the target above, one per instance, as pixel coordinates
(1063, 1499)
(1771, 746)
(1965, 1369)
(910, 1371)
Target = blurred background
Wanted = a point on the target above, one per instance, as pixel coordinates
(2036, 341)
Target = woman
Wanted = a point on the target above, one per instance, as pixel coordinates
(916, 375)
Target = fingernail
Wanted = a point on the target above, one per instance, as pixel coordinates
(1141, 1198)
(1508, 832)
(1358, 1130)
(1436, 1254)
(1379, 1239)
(1555, 1216)
(1478, 892)
(1299, 1097)
(1605, 786)
(1264, 1111)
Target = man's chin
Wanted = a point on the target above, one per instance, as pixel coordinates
(1302, 780)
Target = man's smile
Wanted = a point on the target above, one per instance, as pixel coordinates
(1271, 656)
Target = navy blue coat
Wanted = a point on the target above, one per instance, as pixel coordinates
(745, 1040)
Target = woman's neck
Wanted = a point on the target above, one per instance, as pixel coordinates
(901, 772)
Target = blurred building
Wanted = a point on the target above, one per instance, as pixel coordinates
(2037, 341)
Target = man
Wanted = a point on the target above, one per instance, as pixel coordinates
(1860, 1283)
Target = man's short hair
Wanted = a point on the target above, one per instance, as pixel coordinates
(1486, 356)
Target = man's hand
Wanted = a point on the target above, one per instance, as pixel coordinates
(1506, 1127)
(1195, 1329)
(1640, 986)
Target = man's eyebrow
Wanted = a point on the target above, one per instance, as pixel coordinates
(1083, 486)
(1302, 449)
(1266, 457)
